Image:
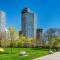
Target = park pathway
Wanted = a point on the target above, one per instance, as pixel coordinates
(55, 56)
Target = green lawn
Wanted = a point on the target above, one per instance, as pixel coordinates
(32, 53)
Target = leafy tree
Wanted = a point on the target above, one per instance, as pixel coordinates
(25, 42)
(57, 42)
(5, 43)
(13, 36)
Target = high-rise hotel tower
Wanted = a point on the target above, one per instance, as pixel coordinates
(28, 23)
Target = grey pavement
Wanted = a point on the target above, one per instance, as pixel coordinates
(54, 56)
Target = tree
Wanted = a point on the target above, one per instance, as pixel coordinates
(26, 42)
(51, 43)
(13, 35)
(50, 36)
(5, 43)
(57, 43)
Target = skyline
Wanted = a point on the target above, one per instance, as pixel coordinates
(47, 12)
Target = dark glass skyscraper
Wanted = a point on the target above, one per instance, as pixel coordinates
(28, 23)
(39, 37)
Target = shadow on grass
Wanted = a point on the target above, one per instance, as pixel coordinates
(7, 53)
(44, 49)
(4, 53)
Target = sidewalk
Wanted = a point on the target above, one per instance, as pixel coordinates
(55, 56)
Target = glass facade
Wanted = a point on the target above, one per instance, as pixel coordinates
(28, 24)
(2, 21)
(2, 25)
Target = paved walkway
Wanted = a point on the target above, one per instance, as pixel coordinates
(55, 56)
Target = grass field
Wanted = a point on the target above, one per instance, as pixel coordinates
(32, 53)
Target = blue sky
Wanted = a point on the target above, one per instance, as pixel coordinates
(47, 11)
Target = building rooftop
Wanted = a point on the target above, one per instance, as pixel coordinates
(26, 10)
(40, 29)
